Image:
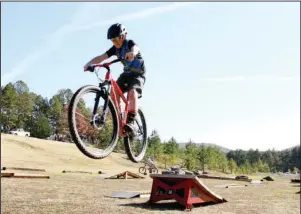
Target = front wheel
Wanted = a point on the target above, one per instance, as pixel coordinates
(135, 147)
(99, 130)
(142, 170)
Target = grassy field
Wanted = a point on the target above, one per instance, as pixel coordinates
(80, 193)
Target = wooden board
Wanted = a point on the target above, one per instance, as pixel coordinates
(6, 174)
(64, 171)
(125, 175)
(295, 180)
(25, 169)
(30, 176)
(222, 178)
(130, 194)
(230, 185)
(13, 175)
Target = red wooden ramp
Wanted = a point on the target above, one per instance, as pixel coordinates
(185, 189)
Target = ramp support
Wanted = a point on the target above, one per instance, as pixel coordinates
(185, 189)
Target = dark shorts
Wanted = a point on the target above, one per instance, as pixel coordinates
(127, 81)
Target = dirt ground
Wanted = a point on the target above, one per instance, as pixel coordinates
(80, 193)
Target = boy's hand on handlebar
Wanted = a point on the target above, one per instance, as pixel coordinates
(89, 67)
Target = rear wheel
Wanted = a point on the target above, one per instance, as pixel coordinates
(154, 170)
(136, 147)
(101, 134)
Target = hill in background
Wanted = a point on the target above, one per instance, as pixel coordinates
(222, 149)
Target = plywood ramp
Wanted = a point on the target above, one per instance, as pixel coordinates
(125, 175)
(13, 175)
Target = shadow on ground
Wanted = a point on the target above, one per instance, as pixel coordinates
(165, 206)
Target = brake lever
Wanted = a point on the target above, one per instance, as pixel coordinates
(96, 73)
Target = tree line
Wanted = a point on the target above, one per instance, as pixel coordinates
(200, 157)
(42, 117)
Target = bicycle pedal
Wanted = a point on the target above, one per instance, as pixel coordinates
(130, 135)
(127, 130)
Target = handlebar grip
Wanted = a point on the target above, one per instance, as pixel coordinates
(90, 68)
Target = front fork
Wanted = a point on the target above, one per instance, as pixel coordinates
(96, 120)
(99, 120)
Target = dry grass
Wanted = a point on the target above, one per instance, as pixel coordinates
(80, 193)
(55, 156)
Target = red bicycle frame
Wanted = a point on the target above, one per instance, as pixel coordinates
(116, 88)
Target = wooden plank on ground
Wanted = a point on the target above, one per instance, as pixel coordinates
(64, 171)
(13, 175)
(30, 176)
(7, 174)
(25, 169)
(295, 180)
(134, 175)
(125, 175)
(222, 178)
(131, 194)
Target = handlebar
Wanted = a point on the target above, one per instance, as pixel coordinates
(105, 65)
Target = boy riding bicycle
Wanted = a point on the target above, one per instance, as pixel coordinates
(150, 163)
(133, 77)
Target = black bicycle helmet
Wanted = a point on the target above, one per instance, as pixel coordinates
(116, 30)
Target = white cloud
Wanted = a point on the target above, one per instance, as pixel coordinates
(54, 40)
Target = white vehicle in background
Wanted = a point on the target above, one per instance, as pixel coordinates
(19, 132)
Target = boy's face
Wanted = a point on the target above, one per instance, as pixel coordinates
(117, 42)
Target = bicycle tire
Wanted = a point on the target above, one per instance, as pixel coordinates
(142, 170)
(132, 157)
(74, 132)
(155, 171)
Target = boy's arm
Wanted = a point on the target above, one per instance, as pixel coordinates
(100, 58)
(135, 49)
(96, 60)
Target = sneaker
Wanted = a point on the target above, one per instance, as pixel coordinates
(130, 126)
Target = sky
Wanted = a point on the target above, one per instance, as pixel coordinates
(222, 72)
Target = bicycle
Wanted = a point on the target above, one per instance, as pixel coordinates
(152, 169)
(117, 116)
